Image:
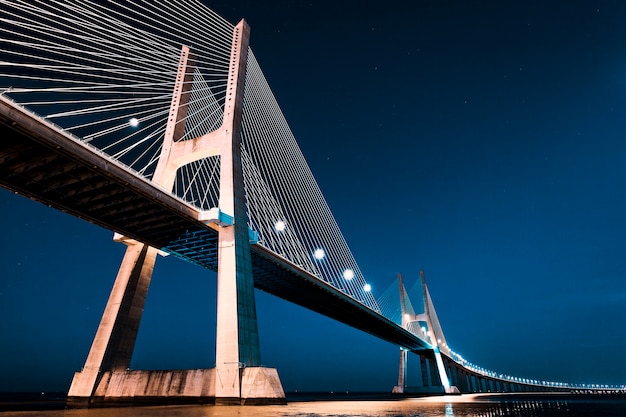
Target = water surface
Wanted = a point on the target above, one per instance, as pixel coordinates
(477, 405)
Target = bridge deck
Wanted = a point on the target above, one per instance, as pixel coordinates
(41, 161)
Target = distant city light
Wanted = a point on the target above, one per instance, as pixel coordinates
(319, 254)
(280, 226)
(367, 288)
(348, 274)
(134, 122)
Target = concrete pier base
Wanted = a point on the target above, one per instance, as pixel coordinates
(427, 391)
(453, 390)
(261, 386)
(193, 386)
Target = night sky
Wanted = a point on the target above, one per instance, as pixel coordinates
(482, 142)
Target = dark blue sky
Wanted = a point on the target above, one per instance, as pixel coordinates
(483, 143)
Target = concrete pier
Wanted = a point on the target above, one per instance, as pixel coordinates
(190, 386)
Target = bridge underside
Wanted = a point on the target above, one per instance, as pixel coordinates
(43, 163)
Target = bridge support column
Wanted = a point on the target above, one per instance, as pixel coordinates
(115, 338)
(451, 370)
(468, 382)
(472, 383)
(239, 377)
(425, 371)
(465, 382)
(399, 389)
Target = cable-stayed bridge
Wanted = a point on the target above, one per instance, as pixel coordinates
(118, 113)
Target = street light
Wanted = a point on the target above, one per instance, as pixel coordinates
(280, 226)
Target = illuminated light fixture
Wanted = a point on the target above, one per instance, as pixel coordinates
(319, 254)
(367, 288)
(133, 122)
(280, 226)
(348, 274)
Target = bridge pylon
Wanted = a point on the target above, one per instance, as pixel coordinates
(426, 325)
(238, 377)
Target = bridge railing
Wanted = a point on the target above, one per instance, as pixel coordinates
(531, 381)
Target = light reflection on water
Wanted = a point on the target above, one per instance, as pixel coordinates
(458, 406)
